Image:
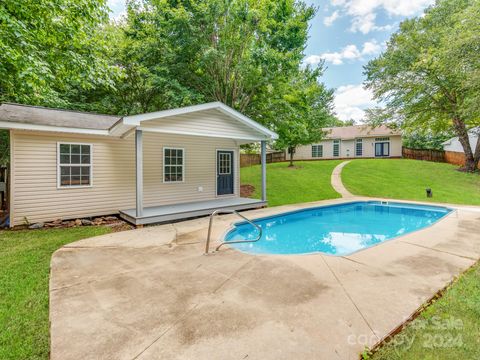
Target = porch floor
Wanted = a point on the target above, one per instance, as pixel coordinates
(165, 213)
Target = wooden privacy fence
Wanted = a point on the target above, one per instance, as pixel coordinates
(427, 155)
(254, 159)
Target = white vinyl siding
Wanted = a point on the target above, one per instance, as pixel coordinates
(317, 151)
(203, 123)
(35, 195)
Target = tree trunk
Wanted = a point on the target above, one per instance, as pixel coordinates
(292, 151)
(476, 155)
(462, 133)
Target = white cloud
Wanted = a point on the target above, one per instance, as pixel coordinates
(349, 52)
(371, 48)
(364, 12)
(329, 20)
(351, 101)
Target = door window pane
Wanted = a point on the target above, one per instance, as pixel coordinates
(225, 163)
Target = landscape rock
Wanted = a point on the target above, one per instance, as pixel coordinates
(87, 222)
(111, 218)
(78, 222)
(36, 226)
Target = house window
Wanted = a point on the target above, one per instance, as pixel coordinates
(317, 151)
(336, 148)
(74, 165)
(382, 139)
(173, 165)
(359, 147)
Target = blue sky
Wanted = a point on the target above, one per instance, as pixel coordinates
(346, 34)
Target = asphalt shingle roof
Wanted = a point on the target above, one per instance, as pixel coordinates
(38, 115)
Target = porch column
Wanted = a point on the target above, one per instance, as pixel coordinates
(139, 172)
(264, 169)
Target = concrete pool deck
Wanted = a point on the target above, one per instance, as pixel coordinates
(152, 294)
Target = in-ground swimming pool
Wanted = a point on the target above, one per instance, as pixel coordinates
(335, 229)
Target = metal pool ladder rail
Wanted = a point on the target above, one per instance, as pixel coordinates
(227, 211)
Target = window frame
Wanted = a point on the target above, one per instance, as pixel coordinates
(359, 141)
(319, 153)
(230, 163)
(164, 165)
(336, 142)
(59, 165)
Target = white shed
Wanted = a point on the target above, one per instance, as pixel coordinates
(454, 145)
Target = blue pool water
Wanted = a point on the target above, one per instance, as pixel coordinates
(336, 229)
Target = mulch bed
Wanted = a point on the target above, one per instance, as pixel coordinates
(247, 190)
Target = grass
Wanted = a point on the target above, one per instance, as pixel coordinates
(408, 179)
(24, 276)
(447, 329)
(307, 181)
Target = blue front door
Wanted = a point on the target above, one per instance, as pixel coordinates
(224, 172)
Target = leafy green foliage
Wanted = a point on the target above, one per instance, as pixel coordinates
(244, 53)
(4, 147)
(166, 54)
(425, 141)
(302, 112)
(49, 47)
(428, 76)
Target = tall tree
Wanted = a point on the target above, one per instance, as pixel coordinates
(48, 47)
(234, 51)
(428, 77)
(302, 112)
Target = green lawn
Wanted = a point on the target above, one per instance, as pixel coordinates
(447, 329)
(407, 179)
(24, 273)
(307, 181)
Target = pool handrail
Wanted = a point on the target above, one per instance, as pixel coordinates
(228, 211)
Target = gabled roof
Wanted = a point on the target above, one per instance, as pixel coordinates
(137, 120)
(17, 116)
(359, 131)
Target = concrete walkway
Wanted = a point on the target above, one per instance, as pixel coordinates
(336, 180)
(152, 294)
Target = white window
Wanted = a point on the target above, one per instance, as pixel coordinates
(74, 165)
(359, 147)
(173, 165)
(225, 163)
(336, 148)
(317, 151)
(382, 139)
